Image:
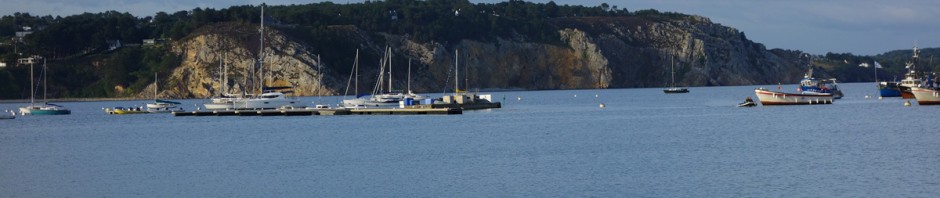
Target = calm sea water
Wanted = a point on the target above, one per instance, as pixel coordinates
(549, 143)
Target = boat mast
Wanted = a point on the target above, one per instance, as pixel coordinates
(261, 55)
(456, 72)
(32, 86)
(672, 63)
(155, 84)
(45, 81)
(389, 61)
(409, 75)
(356, 67)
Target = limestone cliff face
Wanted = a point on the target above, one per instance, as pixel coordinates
(286, 63)
(599, 52)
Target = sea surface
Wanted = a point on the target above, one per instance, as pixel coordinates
(540, 144)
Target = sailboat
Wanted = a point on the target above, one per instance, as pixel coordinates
(380, 97)
(41, 109)
(674, 89)
(160, 106)
(224, 100)
(271, 97)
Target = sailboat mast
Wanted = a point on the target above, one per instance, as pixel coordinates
(261, 54)
(221, 73)
(356, 67)
(45, 81)
(672, 63)
(156, 83)
(409, 75)
(456, 71)
(32, 86)
(389, 61)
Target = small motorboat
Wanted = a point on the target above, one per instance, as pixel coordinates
(747, 104)
(4, 116)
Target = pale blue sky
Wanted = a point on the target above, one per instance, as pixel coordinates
(865, 27)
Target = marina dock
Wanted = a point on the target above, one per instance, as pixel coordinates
(310, 112)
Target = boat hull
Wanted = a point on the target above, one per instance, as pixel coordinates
(125, 112)
(218, 106)
(768, 97)
(889, 89)
(266, 104)
(676, 91)
(27, 111)
(926, 96)
(906, 92)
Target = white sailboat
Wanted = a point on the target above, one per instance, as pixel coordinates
(380, 98)
(224, 100)
(160, 106)
(270, 97)
(41, 109)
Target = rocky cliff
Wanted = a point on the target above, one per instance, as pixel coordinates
(592, 52)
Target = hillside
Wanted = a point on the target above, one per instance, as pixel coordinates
(512, 44)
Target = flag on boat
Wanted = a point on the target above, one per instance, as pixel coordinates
(877, 65)
(865, 65)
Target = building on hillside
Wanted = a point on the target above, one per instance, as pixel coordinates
(113, 44)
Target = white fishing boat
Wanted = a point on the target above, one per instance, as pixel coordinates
(768, 97)
(270, 97)
(911, 78)
(926, 96)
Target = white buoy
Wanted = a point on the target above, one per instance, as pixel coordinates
(602, 105)
(879, 98)
(576, 95)
(867, 96)
(595, 95)
(907, 103)
(519, 98)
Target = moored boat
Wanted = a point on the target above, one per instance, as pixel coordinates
(811, 84)
(161, 106)
(674, 89)
(768, 97)
(45, 108)
(889, 89)
(4, 116)
(926, 96)
(124, 111)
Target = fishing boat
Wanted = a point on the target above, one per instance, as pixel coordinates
(675, 89)
(270, 97)
(929, 92)
(911, 79)
(889, 89)
(810, 84)
(161, 106)
(926, 96)
(768, 97)
(45, 108)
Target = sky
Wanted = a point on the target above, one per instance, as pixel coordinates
(861, 27)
